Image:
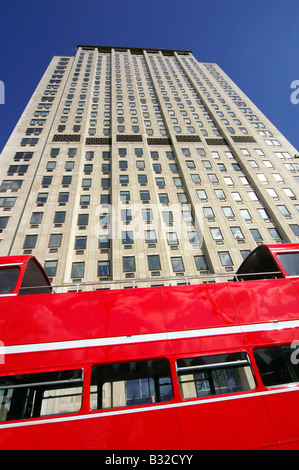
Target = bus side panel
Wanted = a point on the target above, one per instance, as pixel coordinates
(126, 312)
(231, 424)
(199, 306)
(50, 436)
(295, 286)
(283, 409)
(264, 300)
(6, 306)
(48, 318)
(158, 429)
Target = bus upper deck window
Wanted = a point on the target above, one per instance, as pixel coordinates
(8, 279)
(290, 263)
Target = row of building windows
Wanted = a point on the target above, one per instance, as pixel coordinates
(141, 94)
(149, 236)
(153, 264)
(238, 101)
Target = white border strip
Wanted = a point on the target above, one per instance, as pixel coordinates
(161, 407)
(167, 336)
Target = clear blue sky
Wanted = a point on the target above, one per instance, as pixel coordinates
(255, 42)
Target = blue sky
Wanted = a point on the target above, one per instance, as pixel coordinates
(255, 42)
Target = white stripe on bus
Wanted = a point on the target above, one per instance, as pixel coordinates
(145, 338)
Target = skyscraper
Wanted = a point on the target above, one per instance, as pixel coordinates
(132, 163)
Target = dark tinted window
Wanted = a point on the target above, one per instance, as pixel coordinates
(8, 279)
(130, 384)
(34, 280)
(277, 365)
(32, 395)
(214, 375)
(290, 262)
(259, 265)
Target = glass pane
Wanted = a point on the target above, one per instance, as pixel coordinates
(8, 279)
(32, 395)
(214, 375)
(276, 365)
(290, 262)
(130, 384)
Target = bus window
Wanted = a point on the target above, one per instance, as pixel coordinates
(41, 394)
(260, 264)
(34, 280)
(290, 263)
(277, 365)
(8, 279)
(130, 384)
(214, 375)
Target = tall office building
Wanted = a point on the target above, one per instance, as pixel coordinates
(143, 163)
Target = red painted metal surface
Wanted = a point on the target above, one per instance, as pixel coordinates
(49, 332)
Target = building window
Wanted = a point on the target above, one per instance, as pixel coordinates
(80, 243)
(227, 211)
(42, 198)
(150, 236)
(129, 264)
(104, 241)
(47, 180)
(3, 222)
(172, 238)
(177, 264)
(295, 228)
(83, 220)
(103, 268)
(86, 183)
(59, 217)
(182, 198)
(144, 195)
(225, 258)
(124, 180)
(201, 263)
(142, 179)
(160, 182)
(123, 165)
(220, 194)
(125, 196)
(7, 202)
(237, 233)
(246, 215)
(51, 268)
(63, 198)
(256, 234)
(84, 200)
(154, 262)
(78, 270)
(55, 240)
(163, 198)
(194, 239)
(216, 234)
(275, 234)
(140, 165)
(30, 242)
(127, 237)
(105, 183)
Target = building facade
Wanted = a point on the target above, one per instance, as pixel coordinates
(143, 164)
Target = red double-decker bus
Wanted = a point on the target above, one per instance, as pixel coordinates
(199, 366)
